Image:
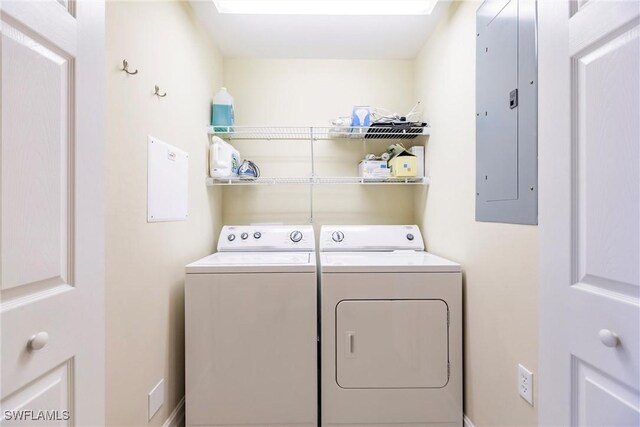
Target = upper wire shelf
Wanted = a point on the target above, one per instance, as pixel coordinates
(317, 180)
(315, 132)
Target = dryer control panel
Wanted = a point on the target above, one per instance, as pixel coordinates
(370, 238)
(266, 238)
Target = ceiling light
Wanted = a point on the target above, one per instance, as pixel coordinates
(326, 7)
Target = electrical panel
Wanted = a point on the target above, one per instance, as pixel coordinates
(506, 112)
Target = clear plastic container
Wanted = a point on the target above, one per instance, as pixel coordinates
(222, 115)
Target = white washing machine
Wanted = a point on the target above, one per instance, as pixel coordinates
(391, 329)
(251, 330)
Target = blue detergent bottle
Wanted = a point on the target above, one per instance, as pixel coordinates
(222, 116)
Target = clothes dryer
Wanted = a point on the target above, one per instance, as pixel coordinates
(391, 329)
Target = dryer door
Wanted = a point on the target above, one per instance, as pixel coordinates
(392, 343)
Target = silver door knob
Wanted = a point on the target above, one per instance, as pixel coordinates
(38, 341)
(608, 338)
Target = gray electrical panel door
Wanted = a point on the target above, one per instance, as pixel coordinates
(506, 112)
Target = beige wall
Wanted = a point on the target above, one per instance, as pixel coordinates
(306, 92)
(145, 262)
(500, 260)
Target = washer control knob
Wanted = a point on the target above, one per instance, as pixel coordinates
(231, 237)
(295, 236)
(244, 236)
(337, 236)
(257, 235)
(410, 236)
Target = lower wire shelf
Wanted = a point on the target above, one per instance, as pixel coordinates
(318, 181)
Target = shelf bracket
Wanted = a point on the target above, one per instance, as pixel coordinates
(313, 175)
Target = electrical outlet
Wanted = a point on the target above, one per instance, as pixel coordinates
(156, 398)
(525, 384)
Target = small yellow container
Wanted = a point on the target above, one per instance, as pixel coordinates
(404, 165)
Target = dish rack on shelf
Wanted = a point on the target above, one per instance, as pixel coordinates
(317, 133)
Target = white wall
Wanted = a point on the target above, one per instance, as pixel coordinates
(299, 92)
(145, 262)
(499, 260)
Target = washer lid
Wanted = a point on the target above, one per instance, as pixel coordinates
(398, 261)
(234, 262)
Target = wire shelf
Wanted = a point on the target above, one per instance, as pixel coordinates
(318, 181)
(269, 133)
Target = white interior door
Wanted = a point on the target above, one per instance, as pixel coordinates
(52, 203)
(589, 140)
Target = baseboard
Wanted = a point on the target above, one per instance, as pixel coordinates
(176, 418)
(467, 422)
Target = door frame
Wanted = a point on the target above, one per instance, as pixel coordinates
(551, 169)
(90, 139)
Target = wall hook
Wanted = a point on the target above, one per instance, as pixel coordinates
(125, 68)
(157, 92)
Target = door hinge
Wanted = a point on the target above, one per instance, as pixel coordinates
(448, 318)
(448, 370)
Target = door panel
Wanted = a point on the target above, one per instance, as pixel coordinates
(606, 181)
(49, 397)
(601, 399)
(392, 344)
(48, 21)
(36, 152)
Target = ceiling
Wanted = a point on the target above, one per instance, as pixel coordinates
(315, 36)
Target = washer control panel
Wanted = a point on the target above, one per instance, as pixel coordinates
(365, 238)
(266, 238)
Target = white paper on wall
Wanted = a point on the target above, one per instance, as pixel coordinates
(167, 182)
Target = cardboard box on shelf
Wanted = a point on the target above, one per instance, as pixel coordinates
(403, 165)
(373, 169)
